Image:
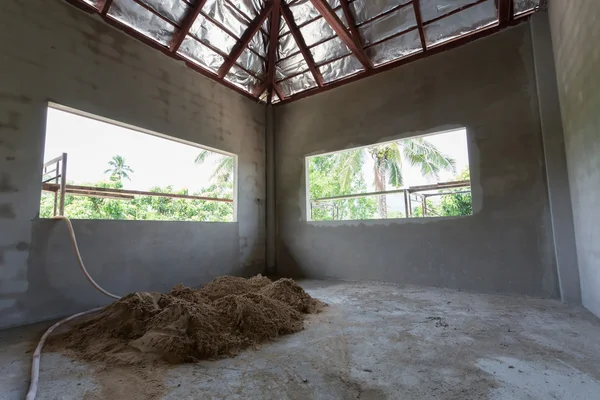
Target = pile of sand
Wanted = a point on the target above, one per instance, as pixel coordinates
(219, 319)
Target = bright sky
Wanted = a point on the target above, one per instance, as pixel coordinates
(90, 144)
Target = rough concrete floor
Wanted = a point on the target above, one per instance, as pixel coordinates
(375, 341)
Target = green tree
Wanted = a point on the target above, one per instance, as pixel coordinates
(388, 164)
(457, 204)
(325, 184)
(118, 169)
(144, 207)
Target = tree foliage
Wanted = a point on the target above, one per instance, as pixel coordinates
(343, 172)
(324, 183)
(457, 204)
(118, 169)
(223, 166)
(145, 207)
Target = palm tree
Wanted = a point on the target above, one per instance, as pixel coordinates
(388, 161)
(118, 169)
(223, 172)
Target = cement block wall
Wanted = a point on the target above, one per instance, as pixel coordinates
(60, 54)
(575, 29)
(487, 86)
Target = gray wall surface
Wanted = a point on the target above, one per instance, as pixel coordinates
(60, 54)
(557, 176)
(575, 29)
(487, 86)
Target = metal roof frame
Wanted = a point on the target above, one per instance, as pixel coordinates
(340, 16)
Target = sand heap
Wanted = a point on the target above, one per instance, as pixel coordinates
(185, 325)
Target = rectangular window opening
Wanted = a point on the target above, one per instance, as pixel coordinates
(100, 169)
(415, 177)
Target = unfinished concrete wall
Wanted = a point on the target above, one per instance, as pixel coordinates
(488, 87)
(575, 29)
(559, 194)
(58, 53)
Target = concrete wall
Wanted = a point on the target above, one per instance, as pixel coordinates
(58, 53)
(561, 209)
(575, 29)
(487, 86)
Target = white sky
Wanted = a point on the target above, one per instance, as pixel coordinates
(90, 144)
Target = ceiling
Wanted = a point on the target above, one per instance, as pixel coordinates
(281, 50)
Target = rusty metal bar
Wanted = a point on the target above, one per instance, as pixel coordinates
(383, 14)
(336, 24)
(289, 19)
(438, 48)
(239, 47)
(153, 11)
(230, 33)
(459, 9)
(273, 43)
(186, 26)
(505, 11)
(417, 9)
(278, 91)
(106, 7)
(225, 56)
(82, 189)
(351, 22)
(243, 14)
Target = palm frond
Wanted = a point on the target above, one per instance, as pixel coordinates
(425, 155)
(349, 164)
(224, 170)
(201, 157)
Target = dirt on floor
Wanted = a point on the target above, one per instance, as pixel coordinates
(187, 325)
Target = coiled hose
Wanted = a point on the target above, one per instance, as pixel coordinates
(35, 364)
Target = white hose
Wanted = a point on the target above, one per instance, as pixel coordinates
(35, 365)
(76, 248)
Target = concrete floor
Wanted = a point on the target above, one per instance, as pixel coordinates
(374, 341)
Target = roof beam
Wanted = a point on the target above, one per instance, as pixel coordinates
(279, 92)
(505, 11)
(239, 47)
(106, 6)
(273, 43)
(417, 8)
(351, 22)
(289, 19)
(186, 25)
(336, 24)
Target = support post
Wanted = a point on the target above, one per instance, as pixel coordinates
(63, 184)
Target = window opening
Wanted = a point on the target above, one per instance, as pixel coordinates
(425, 176)
(99, 169)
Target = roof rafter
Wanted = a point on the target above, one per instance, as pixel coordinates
(106, 6)
(336, 24)
(289, 19)
(273, 43)
(417, 9)
(351, 22)
(505, 11)
(239, 47)
(278, 90)
(186, 25)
